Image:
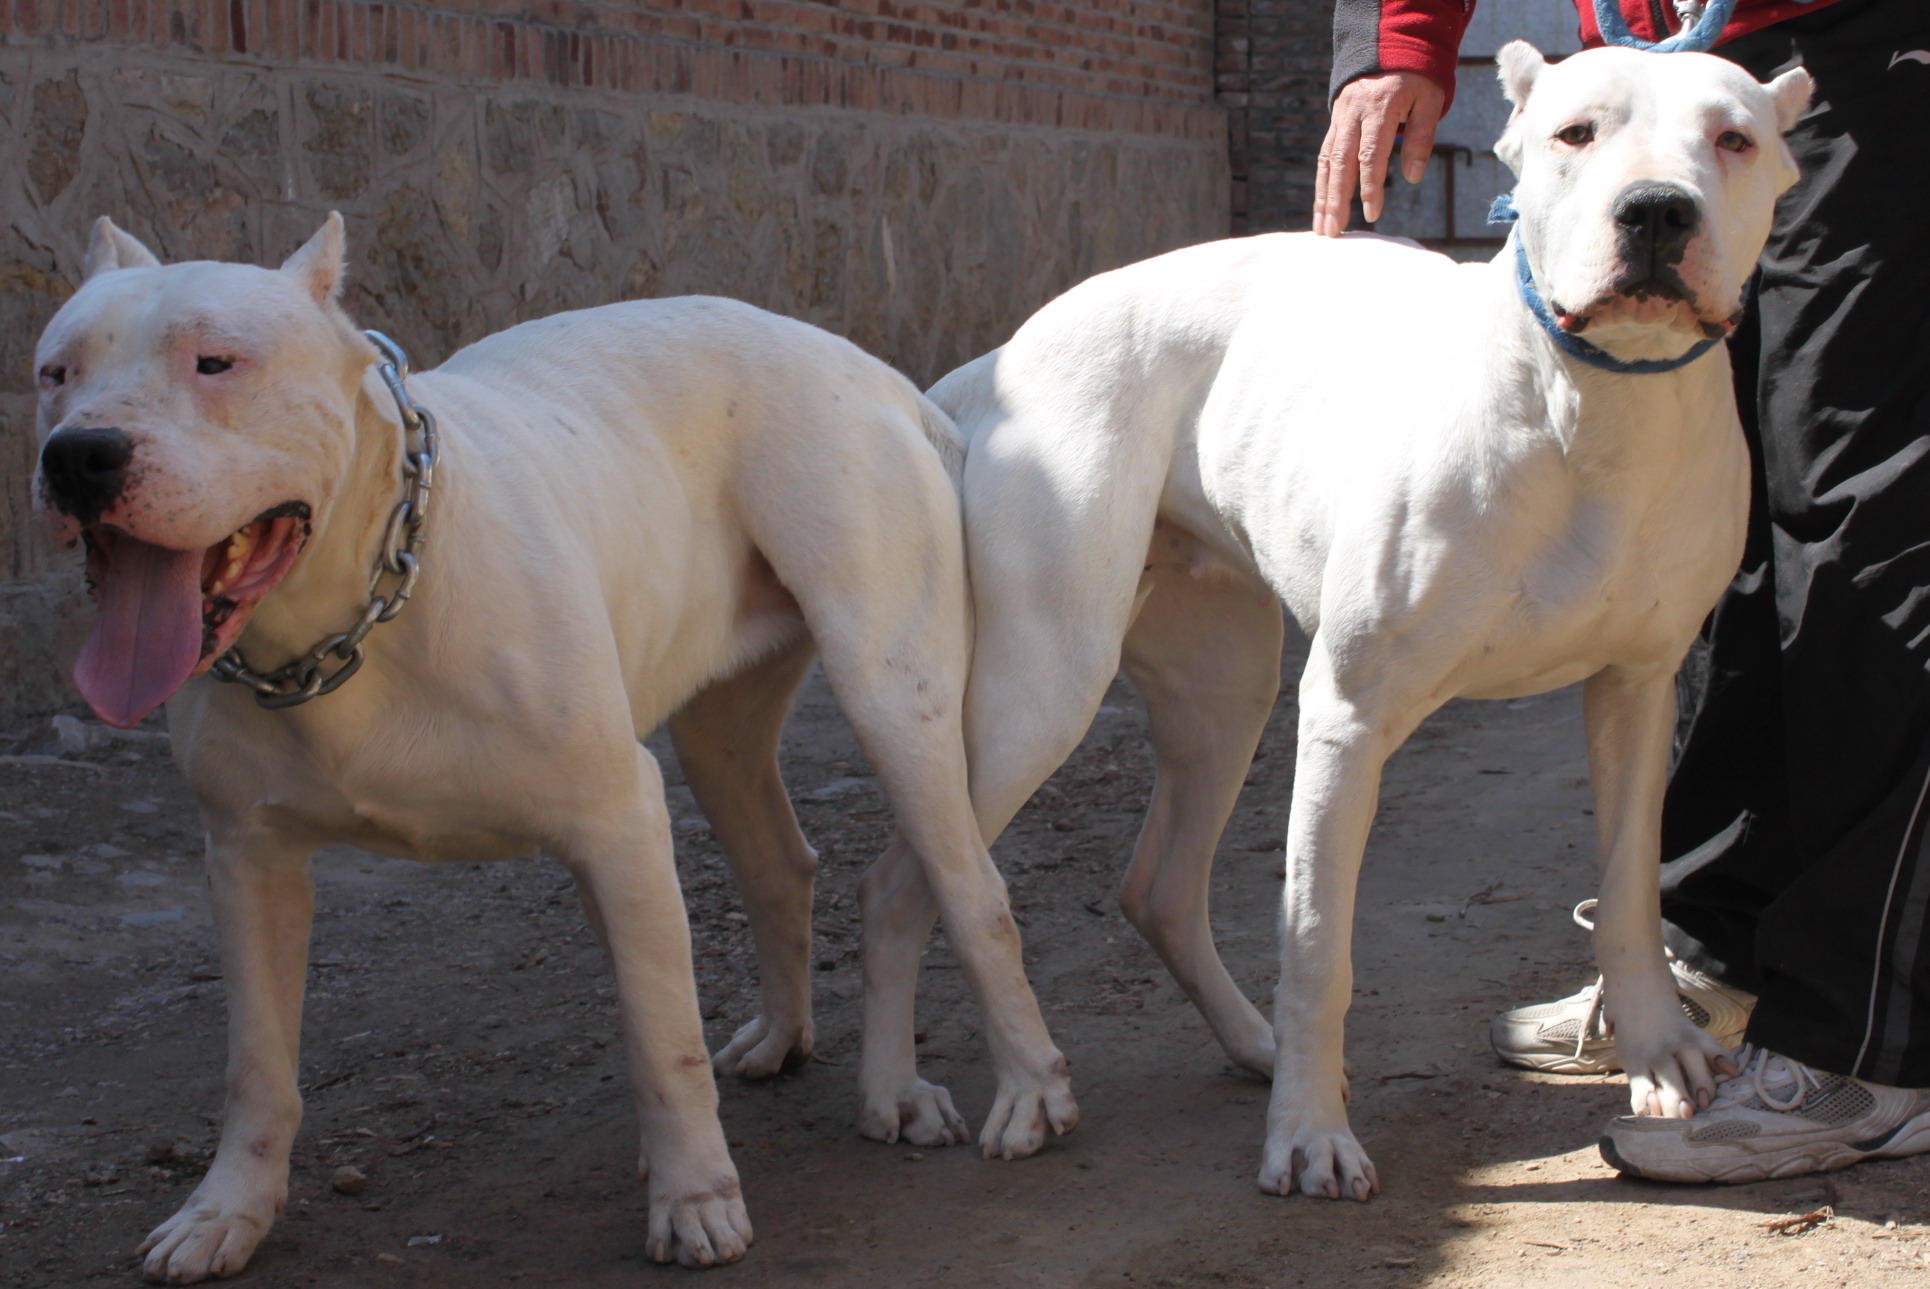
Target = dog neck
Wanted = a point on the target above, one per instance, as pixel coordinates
(1597, 413)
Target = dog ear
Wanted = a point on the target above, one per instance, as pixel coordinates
(1518, 64)
(110, 248)
(319, 264)
(1791, 93)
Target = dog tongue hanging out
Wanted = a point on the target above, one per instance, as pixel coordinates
(166, 615)
(160, 453)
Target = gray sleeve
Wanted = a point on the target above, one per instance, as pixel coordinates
(1356, 43)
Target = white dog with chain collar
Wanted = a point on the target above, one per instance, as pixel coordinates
(646, 512)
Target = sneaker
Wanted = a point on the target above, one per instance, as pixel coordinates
(1778, 1118)
(1571, 1036)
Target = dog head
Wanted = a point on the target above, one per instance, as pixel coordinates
(194, 422)
(1647, 183)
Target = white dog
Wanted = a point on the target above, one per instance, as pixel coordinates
(644, 512)
(1449, 496)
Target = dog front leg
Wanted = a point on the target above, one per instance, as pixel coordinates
(1630, 717)
(263, 902)
(1336, 785)
(623, 866)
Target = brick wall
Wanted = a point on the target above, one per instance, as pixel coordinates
(1272, 59)
(1134, 65)
(917, 176)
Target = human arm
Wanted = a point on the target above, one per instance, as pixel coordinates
(1393, 74)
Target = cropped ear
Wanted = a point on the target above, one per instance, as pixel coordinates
(1791, 93)
(318, 265)
(110, 248)
(1518, 64)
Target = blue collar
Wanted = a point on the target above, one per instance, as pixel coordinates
(1503, 212)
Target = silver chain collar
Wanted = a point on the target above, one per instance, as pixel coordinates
(399, 562)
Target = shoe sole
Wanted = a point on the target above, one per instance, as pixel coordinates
(1566, 1062)
(1557, 1063)
(1911, 1137)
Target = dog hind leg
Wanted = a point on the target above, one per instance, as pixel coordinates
(264, 901)
(726, 739)
(1052, 591)
(895, 1104)
(1205, 658)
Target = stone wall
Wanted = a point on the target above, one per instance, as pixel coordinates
(918, 177)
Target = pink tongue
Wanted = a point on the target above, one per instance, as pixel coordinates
(148, 639)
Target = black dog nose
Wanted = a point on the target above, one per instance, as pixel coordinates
(84, 469)
(1655, 222)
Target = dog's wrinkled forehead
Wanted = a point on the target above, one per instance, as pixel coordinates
(1663, 105)
(132, 309)
(145, 313)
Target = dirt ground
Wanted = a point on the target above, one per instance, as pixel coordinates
(461, 1052)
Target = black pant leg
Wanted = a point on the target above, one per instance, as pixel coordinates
(1828, 846)
(1723, 819)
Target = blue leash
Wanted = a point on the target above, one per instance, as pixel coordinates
(1697, 39)
(1503, 212)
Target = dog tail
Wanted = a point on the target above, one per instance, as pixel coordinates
(945, 436)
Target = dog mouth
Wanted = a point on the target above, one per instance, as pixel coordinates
(167, 614)
(1649, 303)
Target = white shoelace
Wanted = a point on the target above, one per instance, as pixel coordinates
(1762, 1068)
(1595, 1024)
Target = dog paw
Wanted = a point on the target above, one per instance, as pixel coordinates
(707, 1227)
(1329, 1163)
(207, 1240)
(762, 1049)
(1673, 1075)
(919, 1113)
(1024, 1109)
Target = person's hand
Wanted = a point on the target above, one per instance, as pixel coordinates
(1367, 115)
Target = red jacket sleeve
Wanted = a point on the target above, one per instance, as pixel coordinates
(1376, 36)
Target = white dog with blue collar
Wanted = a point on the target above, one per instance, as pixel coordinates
(1461, 480)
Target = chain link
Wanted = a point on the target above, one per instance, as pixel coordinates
(398, 564)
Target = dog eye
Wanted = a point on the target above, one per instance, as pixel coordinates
(208, 365)
(53, 375)
(1734, 141)
(1577, 135)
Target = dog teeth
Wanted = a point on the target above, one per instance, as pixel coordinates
(234, 559)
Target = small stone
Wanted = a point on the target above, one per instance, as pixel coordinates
(416, 1241)
(914, 1158)
(69, 737)
(160, 1150)
(349, 1180)
(1437, 917)
(387, 1257)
